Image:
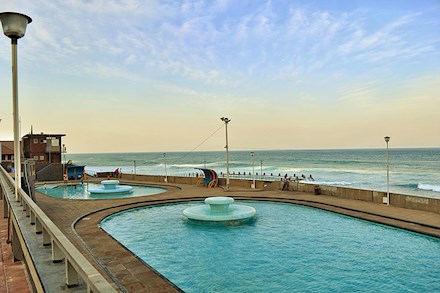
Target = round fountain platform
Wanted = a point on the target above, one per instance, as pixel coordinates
(111, 186)
(219, 209)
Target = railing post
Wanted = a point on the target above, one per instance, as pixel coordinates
(57, 255)
(71, 275)
(28, 211)
(38, 226)
(32, 217)
(16, 248)
(5, 208)
(46, 237)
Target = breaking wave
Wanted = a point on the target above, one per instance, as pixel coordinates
(429, 187)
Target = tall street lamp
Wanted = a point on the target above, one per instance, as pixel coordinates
(226, 120)
(0, 147)
(387, 139)
(261, 169)
(165, 162)
(14, 27)
(253, 170)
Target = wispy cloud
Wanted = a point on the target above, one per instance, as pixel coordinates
(359, 94)
(389, 41)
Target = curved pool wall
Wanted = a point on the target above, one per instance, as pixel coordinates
(288, 248)
(80, 191)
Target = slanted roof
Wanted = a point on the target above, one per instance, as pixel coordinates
(42, 134)
(7, 147)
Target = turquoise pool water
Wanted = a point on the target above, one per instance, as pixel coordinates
(79, 191)
(288, 248)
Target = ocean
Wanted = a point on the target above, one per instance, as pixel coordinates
(412, 171)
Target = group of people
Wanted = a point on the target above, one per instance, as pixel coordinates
(287, 180)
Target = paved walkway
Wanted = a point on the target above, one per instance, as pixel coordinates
(132, 275)
(13, 276)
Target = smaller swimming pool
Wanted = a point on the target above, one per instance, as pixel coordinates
(80, 191)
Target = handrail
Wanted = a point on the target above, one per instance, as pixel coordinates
(62, 248)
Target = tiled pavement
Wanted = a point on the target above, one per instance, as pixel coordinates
(13, 276)
(120, 266)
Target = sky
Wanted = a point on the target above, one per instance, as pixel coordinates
(157, 76)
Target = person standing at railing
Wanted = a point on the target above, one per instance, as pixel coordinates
(286, 183)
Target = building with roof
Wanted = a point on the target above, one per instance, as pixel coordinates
(43, 148)
(7, 151)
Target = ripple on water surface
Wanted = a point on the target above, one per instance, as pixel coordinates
(288, 248)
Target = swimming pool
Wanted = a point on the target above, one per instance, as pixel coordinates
(80, 191)
(288, 248)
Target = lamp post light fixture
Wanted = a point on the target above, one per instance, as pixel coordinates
(64, 151)
(387, 139)
(165, 162)
(226, 120)
(253, 170)
(14, 27)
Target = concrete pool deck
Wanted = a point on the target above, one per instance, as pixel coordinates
(78, 220)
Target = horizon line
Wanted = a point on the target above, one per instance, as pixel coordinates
(254, 149)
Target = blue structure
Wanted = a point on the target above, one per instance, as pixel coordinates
(75, 172)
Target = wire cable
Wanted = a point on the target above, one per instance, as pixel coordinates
(180, 158)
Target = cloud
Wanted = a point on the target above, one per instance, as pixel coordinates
(387, 42)
(404, 52)
(100, 71)
(109, 6)
(222, 43)
(359, 94)
(188, 70)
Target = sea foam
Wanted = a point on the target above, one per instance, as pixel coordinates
(432, 187)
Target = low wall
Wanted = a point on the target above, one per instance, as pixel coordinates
(161, 179)
(49, 172)
(415, 202)
(398, 200)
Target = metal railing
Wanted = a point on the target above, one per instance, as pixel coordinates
(76, 265)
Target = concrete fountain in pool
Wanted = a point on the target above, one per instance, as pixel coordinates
(220, 209)
(111, 186)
